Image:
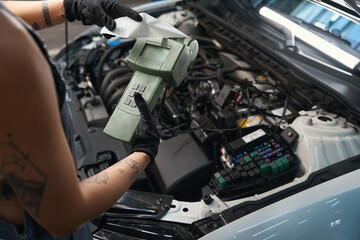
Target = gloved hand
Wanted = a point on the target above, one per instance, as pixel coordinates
(99, 12)
(146, 137)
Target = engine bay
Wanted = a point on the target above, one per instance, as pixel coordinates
(232, 130)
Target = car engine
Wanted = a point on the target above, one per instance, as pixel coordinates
(232, 129)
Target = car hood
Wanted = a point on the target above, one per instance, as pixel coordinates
(349, 6)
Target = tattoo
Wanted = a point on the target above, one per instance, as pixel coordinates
(36, 26)
(46, 13)
(6, 191)
(98, 178)
(133, 164)
(26, 179)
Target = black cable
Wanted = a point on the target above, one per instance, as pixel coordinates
(106, 56)
(284, 110)
(190, 130)
(224, 129)
(212, 129)
(247, 69)
(93, 101)
(202, 66)
(246, 92)
(203, 78)
(215, 129)
(262, 116)
(219, 74)
(162, 104)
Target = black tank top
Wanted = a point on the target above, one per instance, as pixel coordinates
(32, 230)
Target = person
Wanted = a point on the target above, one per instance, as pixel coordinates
(41, 197)
(44, 14)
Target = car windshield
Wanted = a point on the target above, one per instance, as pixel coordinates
(316, 16)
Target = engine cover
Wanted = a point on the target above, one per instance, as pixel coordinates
(323, 140)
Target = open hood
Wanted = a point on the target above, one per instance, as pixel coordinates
(348, 7)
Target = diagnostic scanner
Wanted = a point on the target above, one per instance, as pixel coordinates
(156, 62)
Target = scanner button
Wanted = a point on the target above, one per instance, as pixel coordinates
(127, 101)
(132, 104)
(142, 88)
(135, 86)
(131, 93)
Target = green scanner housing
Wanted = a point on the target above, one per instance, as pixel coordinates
(156, 63)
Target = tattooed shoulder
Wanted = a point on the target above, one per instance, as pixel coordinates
(26, 179)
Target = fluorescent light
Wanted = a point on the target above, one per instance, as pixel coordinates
(312, 39)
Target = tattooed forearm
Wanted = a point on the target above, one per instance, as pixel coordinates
(46, 13)
(98, 178)
(133, 164)
(25, 178)
(35, 26)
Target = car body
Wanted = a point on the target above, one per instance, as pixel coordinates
(284, 72)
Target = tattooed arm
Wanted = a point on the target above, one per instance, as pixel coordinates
(34, 155)
(42, 14)
(38, 14)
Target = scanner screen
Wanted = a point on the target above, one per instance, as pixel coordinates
(155, 53)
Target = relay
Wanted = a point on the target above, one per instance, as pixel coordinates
(255, 163)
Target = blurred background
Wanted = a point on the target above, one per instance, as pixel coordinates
(55, 37)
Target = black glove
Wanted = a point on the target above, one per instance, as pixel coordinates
(146, 137)
(99, 12)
